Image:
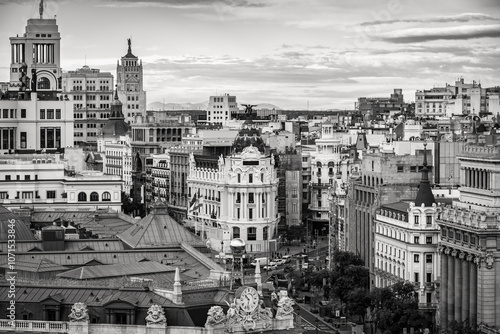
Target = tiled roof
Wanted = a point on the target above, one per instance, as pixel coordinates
(22, 231)
(70, 245)
(158, 229)
(38, 266)
(398, 206)
(127, 269)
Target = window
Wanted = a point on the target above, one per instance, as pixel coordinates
(429, 220)
(250, 198)
(417, 220)
(42, 113)
(401, 169)
(239, 178)
(51, 194)
(106, 196)
(252, 233)
(250, 213)
(94, 197)
(413, 169)
(250, 178)
(416, 239)
(43, 83)
(23, 139)
(466, 238)
(264, 232)
(27, 177)
(428, 258)
(236, 232)
(428, 278)
(23, 113)
(7, 177)
(416, 258)
(50, 113)
(4, 195)
(238, 197)
(417, 278)
(58, 113)
(82, 197)
(428, 240)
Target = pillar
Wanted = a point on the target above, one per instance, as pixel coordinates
(466, 284)
(458, 287)
(473, 291)
(443, 304)
(451, 285)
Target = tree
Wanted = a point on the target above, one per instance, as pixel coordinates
(295, 232)
(464, 327)
(396, 307)
(358, 300)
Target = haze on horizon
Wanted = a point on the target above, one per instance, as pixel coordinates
(285, 52)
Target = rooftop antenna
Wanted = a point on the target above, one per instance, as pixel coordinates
(40, 9)
(85, 60)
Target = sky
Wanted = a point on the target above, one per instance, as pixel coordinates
(295, 54)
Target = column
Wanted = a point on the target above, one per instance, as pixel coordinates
(23, 52)
(458, 286)
(450, 290)
(477, 177)
(443, 303)
(466, 178)
(473, 290)
(12, 53)
(466, 294)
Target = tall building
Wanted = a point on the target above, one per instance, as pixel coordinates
(469, 244)
(34, 114)
(92, 93)
(130, 81)
(221, 109)
(385, 106)
(405, 244)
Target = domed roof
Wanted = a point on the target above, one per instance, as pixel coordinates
(22, 231)
(115, 127)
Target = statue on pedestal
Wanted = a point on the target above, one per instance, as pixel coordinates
(156, 316)
(79, 313)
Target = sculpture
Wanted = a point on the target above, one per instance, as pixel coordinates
(285, 307)
(215, 316)
(248, 108)
(156, 315)
(79, 313)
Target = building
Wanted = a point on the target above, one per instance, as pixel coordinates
(405, 244)
(114, 142)
(130, 83)
(386, 178)
(469, 241)
(46, 180)
(92, 93)
(35, 115)
(221, 109)
(384, 106)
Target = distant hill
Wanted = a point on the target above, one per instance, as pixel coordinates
(200, 106)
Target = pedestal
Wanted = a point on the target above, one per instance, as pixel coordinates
(78, 327)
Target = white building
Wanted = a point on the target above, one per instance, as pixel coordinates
(237, 199)
(406, 238)
(221, 108)
(46, 180)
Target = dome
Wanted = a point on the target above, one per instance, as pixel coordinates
(115, 127)
(237, 246)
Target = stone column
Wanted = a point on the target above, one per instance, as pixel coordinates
(458, 287)
(450, 289)
(466, 284)
(473, 290)
(443, 303)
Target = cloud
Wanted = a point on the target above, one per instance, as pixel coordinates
(465, 17)
(184, 3)
(415, 35)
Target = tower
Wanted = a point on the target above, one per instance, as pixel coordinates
(130, 81)
(35, 56)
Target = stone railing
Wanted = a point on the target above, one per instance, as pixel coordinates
(478, 150)
(474, 219)
(34, 326)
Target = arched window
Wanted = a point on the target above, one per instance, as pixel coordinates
(236, 232)
(94, 197)
(106, 196)
(252, 233)
(43, 83)
(82, 197)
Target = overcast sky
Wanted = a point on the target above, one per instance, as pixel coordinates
(284, 52)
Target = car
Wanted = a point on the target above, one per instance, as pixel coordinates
(305, 265)
(273, 263)
(270, 267)
(287, 258)
(280, 262)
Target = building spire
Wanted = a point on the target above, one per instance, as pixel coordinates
(40, 9)
(424, 194)
(129, 40)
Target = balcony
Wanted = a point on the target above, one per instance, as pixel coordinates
(321, 185)
(427, 306)
(35, 326)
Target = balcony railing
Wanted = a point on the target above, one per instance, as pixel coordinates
(428, 306)
(321, 185)
(34, 326)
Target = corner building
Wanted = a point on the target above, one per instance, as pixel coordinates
(470, 242)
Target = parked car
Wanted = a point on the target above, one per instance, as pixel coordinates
(287, 258)
(280, 262)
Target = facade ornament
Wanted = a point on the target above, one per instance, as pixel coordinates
(441, 249)
(79, 313)
(156, 315)
(447, 251)
(285, 307)
(470, 258)
(461, 256)
(215, 316)
(489, 260)
(477, 261)
(454, 253)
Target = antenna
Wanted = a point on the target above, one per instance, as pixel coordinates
(85, 60)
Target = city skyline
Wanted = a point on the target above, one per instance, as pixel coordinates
(294, 54)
